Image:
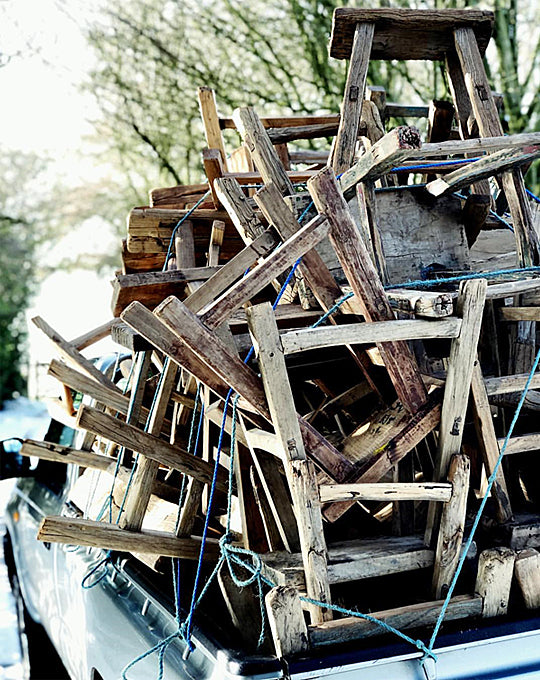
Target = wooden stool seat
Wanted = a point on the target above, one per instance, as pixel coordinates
(408, 33)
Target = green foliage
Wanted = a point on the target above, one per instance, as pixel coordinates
(153, 54)
(18, 239)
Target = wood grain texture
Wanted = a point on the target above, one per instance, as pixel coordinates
(213, 351)
(396, 146)
(145, 474)
(286, 620)
(366, 285)
(354, 560)
(527, 571)
(231, 272)
(494, 164)
(267, 270)
(261, 150)
(300, 473)
(494, 578)
(368, 333)
(66, 454)
(80, 382)
(411, 616)
(151, 288)
(460, 370)
(353, 98)
(92, 336)
(210, 119)
(407, 33)
(489, 124)
(150, 446)
(488, 443)
(71, 354)
(404, 491)
(452, 526)
(112, 537)
(161, 337)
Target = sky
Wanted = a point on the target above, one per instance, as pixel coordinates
(45, 111)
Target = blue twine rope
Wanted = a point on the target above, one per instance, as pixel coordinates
(420, 283)
(491, 212)
(424, 166)
(333, 309)
(162, 645)
(179, 224)
(533, 196)
(87, 582)
(189, 621)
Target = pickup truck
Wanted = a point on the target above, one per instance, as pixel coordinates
(129, 608)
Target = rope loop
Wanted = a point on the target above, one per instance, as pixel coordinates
(232, 555)
(87, 583)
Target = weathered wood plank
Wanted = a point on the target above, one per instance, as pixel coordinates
(452, 525)
(91, 337)
(150, 327)
(232, 271)
(494, 578)
(396, 146)
(488, 443)
(404, 491)
(494, 164)
(145, 474)
(508, 384)
(210, 119)
(476, 145)
(351, 107)
(527, 571)
(364, 333)
(317, 275)
(80, 382)
(300, 473)
(150, 288)
(213, 351)
(273, 484)
(110, 536)
(422, 303)
(460, 369)
(354, 560)
(286, 620)
(390, 453)
(366, 285)
(66, 454)
(521, 444)
(267, 270)
(520, 313)
(463, 351)
(260, 147)
(411, 616)
(150, 446)
(404, 33)
(489, 124)
(69, 351)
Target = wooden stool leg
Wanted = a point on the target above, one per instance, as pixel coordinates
(452, 525)
(458, 382)
(299, 471)
(495, 570)
(286, 620)
(351, 109)
(485, 111)
(464, 112)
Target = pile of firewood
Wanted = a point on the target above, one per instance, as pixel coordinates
(372, 410)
